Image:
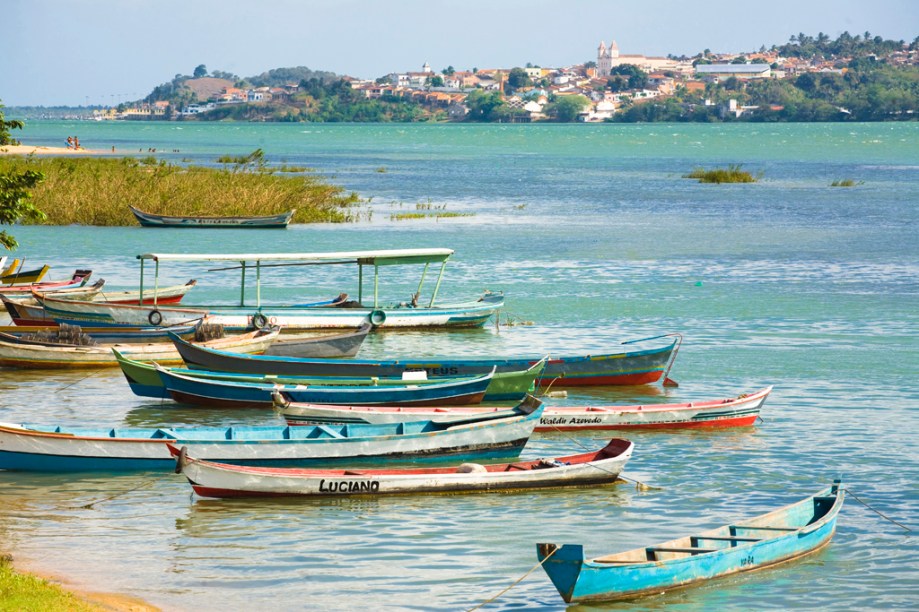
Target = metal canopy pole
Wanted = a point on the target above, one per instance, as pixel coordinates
(258, 283)
(423, 273)
(140, 302)
(156, 284)
(440, 277)
(242, 285)
(360, 283)
(376, 284)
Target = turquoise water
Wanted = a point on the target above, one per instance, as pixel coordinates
(595, 238)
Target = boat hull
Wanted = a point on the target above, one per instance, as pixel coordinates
(290, 318)
(232, 394)
(279, 221)
(35, 356)
(336, 346)
(801, 529)
(632, 367)
(740, 411)
(218, 480)
(62, 449)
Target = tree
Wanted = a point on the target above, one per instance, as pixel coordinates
(448, 71)
(15, 202)
(6, 126)
(567, 108)
(518, 78)
(436, 81)
(200, 71)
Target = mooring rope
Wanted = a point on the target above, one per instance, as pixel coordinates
(639, 484)
(515, 583)
(142, 485)
(879, 513)
(90, 375)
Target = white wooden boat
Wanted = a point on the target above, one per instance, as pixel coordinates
(248, 313)
(63, 448)
(38, 356)
(211, 479)
(740, 411)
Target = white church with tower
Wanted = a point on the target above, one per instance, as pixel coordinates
(609, 58)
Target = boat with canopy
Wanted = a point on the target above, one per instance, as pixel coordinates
(252, 311)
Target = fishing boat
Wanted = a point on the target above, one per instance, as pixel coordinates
(339, 313)
(234, 393)
(626, 367)
(279, 221)
(63, 448)
(23, 283)
(779, 536)
(34, 334)
(29, 310)
(17, 354)
(328, 346)
(739, 411)
(210, 479)
(20, 277)
(146, 382)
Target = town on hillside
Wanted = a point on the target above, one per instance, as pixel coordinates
(809, 78)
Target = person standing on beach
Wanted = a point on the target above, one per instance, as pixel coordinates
(76, 143)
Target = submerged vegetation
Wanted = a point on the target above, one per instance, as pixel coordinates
(845, 183)
(732, 174)
(96, 191)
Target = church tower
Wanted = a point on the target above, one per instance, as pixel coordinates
(604, 62)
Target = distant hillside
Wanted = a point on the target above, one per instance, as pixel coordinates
(205, 88)
(279, 77)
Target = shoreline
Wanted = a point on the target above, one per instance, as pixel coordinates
(40, 150)
(116, 602)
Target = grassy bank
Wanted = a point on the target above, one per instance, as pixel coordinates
(25, 592)
(96, 191)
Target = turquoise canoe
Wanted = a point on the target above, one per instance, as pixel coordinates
(779, 536)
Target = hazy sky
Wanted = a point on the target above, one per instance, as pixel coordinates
(77, 52)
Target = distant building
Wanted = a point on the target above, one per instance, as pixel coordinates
(609, 58)
(741, 71)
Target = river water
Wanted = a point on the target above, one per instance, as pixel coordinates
(596, 239)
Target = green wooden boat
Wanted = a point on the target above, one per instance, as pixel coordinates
(145, 382)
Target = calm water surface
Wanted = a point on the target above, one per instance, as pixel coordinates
(596, 239)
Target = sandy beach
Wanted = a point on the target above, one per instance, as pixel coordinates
(38, 150)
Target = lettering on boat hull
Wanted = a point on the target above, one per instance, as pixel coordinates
(348, 486)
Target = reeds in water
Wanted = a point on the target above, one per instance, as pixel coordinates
(96, 191)
(732, 174)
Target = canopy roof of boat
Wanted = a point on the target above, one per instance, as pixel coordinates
(389, 257)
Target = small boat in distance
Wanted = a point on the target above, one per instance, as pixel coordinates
(779, 536)
(279, 221)
(211, 479)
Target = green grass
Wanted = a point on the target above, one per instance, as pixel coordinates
(23, 592)
(846, 183)
(96, 190)
(731, 174)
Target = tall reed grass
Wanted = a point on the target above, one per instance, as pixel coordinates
(731, 174)
(97, 191)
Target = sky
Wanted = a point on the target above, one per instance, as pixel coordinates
(89, 52)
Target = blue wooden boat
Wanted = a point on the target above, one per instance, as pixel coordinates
(230, 393)
(626, 367)
(53, 448)
(779, 536)
(279, 221)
